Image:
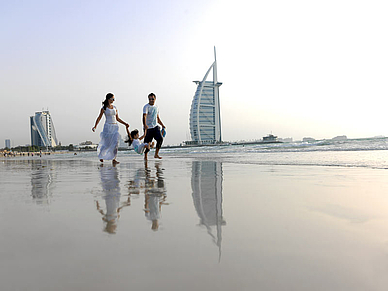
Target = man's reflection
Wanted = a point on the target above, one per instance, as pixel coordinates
(206, 183)
(155, 194)
(111, 189)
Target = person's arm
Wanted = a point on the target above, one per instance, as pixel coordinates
(144, 121)
(160, 121)
(98, 119)
(121, 121)
(144, 134)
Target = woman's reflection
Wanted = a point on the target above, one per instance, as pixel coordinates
(206, 183)
(111, 187)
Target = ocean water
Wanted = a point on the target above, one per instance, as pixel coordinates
(364, 153)
(367, 153)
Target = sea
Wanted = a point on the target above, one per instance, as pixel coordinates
(362, 152)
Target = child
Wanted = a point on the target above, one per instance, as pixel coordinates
(134, 140)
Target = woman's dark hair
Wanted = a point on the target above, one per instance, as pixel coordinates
(106, 101)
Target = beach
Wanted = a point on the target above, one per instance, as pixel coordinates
(200, 219)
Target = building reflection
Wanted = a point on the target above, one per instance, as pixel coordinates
(206, 183)
(43, 175)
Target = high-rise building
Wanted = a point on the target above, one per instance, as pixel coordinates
(42, 130)
(205, 118)
(8, 143)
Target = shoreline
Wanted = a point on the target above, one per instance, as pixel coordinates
(11, 154)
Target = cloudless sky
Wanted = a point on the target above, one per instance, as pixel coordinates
(294, 68)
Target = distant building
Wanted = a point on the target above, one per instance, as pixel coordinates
(42, 130)
(88, 142)
(205, 118)
(8, 143)
(308, 139)
(340, 137)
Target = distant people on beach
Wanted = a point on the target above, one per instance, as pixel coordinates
(151, 120)
(108, 147)
(134, 140)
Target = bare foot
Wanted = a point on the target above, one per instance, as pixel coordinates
(101, 160)
(115, 162)
(157, 157)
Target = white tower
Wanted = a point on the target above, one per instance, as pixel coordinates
(205, 117)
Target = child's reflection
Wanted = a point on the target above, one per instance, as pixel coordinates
(136, 186)
(111, 187)
(155, 195)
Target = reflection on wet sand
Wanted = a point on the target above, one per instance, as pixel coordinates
(155, 194)
(147, 181)
(42, 180)
(206, 183)
(111, 189)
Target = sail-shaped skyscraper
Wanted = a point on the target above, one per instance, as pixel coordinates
(42, 130)
(205, 117)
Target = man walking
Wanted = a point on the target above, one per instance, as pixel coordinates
(150, 123)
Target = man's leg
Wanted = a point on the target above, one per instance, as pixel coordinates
(159, 141)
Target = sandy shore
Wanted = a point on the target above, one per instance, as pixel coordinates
(191, 224)
(8, 154)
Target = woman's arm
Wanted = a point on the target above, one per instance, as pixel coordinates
(98, 119)
(119, 120)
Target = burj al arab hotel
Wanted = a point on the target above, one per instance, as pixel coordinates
(205, 119)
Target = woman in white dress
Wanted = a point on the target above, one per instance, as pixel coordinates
(108, 146)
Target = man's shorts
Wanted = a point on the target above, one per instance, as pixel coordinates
(154, 133)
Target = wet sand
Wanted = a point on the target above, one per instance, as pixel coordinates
(191, 224)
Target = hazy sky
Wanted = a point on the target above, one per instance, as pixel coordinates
(293, 68)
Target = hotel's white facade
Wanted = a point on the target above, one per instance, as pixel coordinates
(42, 130)
(205, 118)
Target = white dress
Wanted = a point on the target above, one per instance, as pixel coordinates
(109, 144)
